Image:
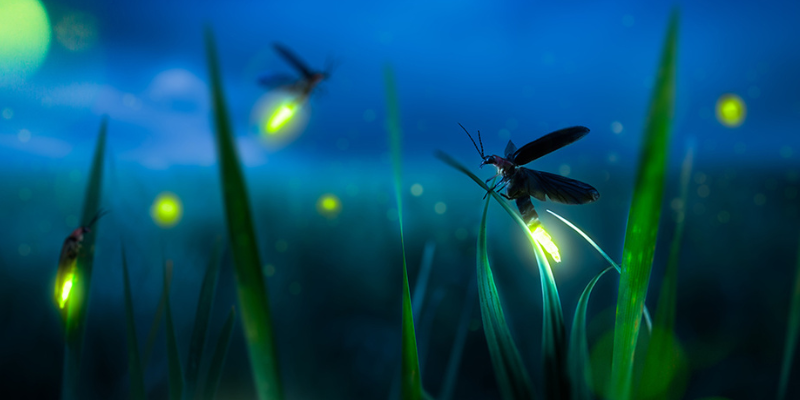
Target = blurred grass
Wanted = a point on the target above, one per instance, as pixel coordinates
(643, 219)
(78, 303)
(454, 362)
(173, 357)
(218, 359)
(665, 359)
(134, 365)
(410, 380)
(151, 336)
(579, 367)
(251, 290)
(792, 330)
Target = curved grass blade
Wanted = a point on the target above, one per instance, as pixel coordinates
(218, 359)
(554, 344)
(512, 377)
(453, 364)
(791, 333)
(410, 382)
(151, 336)
(173, 357)
(198, 342)
(134, 366)
(664, 357)
(647, 320)
(643, 217)
(580, 370)
(252, 293)
(78, 303)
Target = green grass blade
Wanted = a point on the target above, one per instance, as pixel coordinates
(173, 357)
(643, 217)
(512, 377)
(201, 318)
(410, 382)
(647, 320)
(153, 334)
(78, 303)
(453, 364)
(218, 359)
(791, 333)
(134, 366)
(664, 357)
(252, 293)
(580, 370)
(554, 344)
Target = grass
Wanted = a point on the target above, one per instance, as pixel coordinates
(251, 290)
(78, 303)
(134, 364)
(792, 330)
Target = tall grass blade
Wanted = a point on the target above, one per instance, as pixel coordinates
(421, 284)
(201, 318)
(580, 371)
(554, 344)
(156, 324)
(252, 293)
(647, 320)
(664, 357)
(791, 333)
(134, 366)
(453, 364)
(78, 303)
(173, 357)
(218, 359)
(410, 381)
(512, 377)
(643, 217)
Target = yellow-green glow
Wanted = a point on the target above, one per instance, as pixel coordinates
(731, 110)
(24, 38)
(65, 289)
(543, 238)
(328, 205)
(281, 116)
(166, 210)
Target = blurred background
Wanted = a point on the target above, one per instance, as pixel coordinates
(322, 193)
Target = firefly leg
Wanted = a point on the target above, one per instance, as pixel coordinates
(525, 207)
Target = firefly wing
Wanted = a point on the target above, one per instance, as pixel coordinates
(510, 150)
(548, 143)
(293, 59)
(558, 188)
(272, 80)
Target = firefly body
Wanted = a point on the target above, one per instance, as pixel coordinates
(305, 84)
(67, 261)
(521, 183)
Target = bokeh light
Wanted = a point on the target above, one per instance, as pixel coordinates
(166, 210)
(278, 119)
(731, 110)
(76, 31)
(329, 206)
(24, 38)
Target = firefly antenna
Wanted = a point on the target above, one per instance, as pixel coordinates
(97, 216)
(473, 140)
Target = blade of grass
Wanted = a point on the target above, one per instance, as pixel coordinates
(510, 372)
(554, 346)
(134, 366)
(78, 303)
(151, 336)
(580, 371)
(253, 301)
(410, 382)
(791, 333)
(201, 318)
(453, 364)
(421, 284)
(663, 356)
(173, 357)
(218, 359)
(643, 218)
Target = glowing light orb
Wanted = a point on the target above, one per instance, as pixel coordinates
(282, 115)
(731, 110)
(278, 118)
(166, 210)
(329, 206)
(65, 289)
(543, 238)
(24, 38)
(76, 31)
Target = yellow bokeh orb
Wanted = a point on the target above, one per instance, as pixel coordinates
(166, 210)
(329, 206)
(24, 38)
(731, 110)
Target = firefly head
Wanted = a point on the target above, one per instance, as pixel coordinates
(491, 160)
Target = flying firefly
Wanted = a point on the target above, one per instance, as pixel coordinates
(67, 262)
(303, 86)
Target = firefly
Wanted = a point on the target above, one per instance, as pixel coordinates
(68, 260)
(303, 86)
